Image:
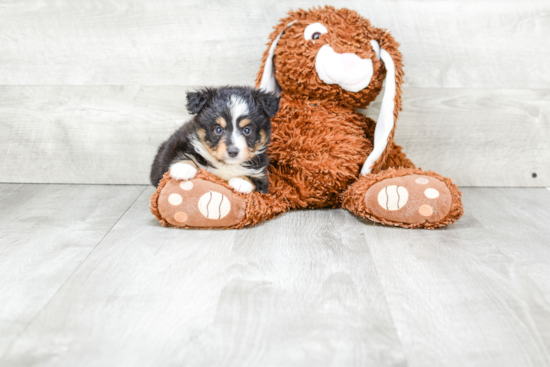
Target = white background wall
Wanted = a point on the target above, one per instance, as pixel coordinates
(89, 89)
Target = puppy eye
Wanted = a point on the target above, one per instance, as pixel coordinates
(247, 131)
(218, 130)
(314, 31)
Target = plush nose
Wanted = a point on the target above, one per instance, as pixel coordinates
(233, 152)
(349, 61)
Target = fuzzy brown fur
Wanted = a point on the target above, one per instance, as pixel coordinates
(319, 140)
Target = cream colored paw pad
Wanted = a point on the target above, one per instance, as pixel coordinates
(175, 199)
(421, 181)
(214, 205)
(393, 197)
(186, 185)
(431, 193)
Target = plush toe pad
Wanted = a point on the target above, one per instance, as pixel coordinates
(200, 203)
(409, 199)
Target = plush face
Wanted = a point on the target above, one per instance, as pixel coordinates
(232, 123)
(331, 54)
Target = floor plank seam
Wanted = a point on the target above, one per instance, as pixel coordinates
(545, 351)
(388, 305)
(70, 276)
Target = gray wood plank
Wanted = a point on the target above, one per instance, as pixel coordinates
(298, 290)
(518, 220)
(302, 291)
(109, 134)
(472, 44)
(46, 231)
(468, 294)
(478, 137)
(98, 134)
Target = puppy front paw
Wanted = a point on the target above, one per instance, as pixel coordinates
(241, 185)
(182, 171)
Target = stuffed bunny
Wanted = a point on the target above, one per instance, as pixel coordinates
(324, 63)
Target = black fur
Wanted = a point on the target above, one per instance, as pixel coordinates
(197, 100)
(269, 103)
(207, 105)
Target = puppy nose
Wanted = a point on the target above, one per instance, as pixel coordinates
(233, 152)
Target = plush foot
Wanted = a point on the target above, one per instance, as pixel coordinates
(408, 198)
(198, 203)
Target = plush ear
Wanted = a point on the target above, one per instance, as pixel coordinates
(265, 79)
(197, 100)
(386, 47)
(267, 101)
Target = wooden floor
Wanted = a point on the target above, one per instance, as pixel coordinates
(89, 278)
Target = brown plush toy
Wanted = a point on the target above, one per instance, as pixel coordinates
(325, 63)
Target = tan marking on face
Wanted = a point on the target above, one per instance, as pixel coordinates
(202, 137)
(262, 141)
(250, 153)
(221, 149)
(217, 152)
(202, 134)
(221, 121)
(244, 122)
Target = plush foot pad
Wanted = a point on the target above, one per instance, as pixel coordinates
(412, 199)
(200, 203)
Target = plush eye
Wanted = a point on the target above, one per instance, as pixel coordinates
(218, 130)
(314, 31)
(247, 131)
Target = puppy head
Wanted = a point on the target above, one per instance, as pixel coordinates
(232, 124)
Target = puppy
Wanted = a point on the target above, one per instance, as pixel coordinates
(228, 136)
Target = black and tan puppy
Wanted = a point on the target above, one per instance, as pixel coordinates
(228, 136)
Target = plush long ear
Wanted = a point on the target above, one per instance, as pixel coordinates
(391, 103)
(266, 77)
(197, 100)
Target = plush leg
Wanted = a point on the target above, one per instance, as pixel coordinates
(405, 197)
(396, 158)
(207, 201)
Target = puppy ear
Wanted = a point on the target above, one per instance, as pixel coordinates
(197, 100)
(268, 102)
(266, 76)
(384, 131)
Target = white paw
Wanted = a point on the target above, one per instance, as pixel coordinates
(182, 171)
(241, 185)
